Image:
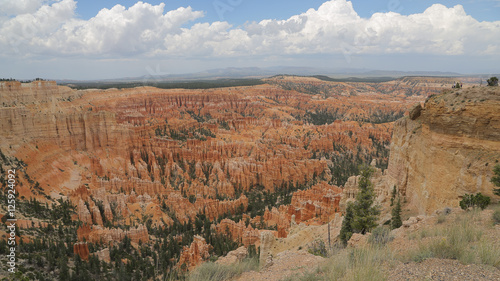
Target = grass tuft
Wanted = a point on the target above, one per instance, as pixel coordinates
(210, 271)
(381, 235)
(441, 218)
(496, 216)
(462, 241)
(357, 264)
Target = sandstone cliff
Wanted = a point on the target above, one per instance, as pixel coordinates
(449, 150)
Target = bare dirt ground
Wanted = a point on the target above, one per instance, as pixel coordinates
(443, 270)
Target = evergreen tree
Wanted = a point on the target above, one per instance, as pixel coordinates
(396, 216)
(393, 195)
(346, 230)
(365, 215)
(63, 269)
(493, 81)
(496, 179)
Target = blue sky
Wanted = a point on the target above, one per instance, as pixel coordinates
(110, 39)
(240, 11)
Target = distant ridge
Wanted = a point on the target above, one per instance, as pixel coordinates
(256, 72)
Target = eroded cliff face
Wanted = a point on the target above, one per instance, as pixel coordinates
(147, 162)
(119, 155)
(449, 150)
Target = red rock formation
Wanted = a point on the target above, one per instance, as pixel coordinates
(246, 235)
(81, 249)
(320, 201)
(195, 254)
(145, 150)
(30, 223)
(97, 234)
(84, 213)
(96, 213)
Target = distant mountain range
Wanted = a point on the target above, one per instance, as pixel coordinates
(256, 72)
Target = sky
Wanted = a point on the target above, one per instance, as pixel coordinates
(103, 39)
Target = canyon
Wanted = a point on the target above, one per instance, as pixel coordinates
(197, 167)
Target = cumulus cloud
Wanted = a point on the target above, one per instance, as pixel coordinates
(333, 28)
(9, 7)
(54, 29)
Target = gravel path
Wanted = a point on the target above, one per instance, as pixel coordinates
(443, 270)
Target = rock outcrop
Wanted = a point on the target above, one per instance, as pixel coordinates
(103, 255)
(98, 234)
(195, 254)
(449, 150)
(234, 256)
(246, 235)
(319, 203)
(267, 241)
(81, 249)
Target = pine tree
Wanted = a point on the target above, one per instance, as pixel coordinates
(496, 179)
(393, 195)
(346, 230)
(63, 269)
(396, 216)
(365, 215)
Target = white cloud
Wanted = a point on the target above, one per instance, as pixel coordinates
(17, 7)
(334, 28)
(119, 31)
(20, 33)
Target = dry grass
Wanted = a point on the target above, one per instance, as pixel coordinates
(462, 240)
(210, 271)
(496, 216)
(351, 265)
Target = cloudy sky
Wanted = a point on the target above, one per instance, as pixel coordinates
(97, 39)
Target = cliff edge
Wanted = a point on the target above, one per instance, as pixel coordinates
(447, 148)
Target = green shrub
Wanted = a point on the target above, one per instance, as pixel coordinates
(493, 81)
(318, 248)
(471, 200)
(496, 216)
(380, 236)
